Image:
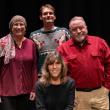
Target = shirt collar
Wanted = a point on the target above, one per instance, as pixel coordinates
(73, 43)
(49, 31)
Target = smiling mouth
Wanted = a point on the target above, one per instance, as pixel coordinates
(78, 36)
(54, 70)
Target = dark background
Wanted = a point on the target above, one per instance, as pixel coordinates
(95, 12)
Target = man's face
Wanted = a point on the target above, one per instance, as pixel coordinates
(78, 29)
(48, 15)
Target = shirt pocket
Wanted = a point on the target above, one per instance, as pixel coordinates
(71, 58)
(97, 59)
(97, 56)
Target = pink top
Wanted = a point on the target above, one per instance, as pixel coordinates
(20, 74)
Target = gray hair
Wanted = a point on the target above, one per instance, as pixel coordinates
(15, 19)
(77, 18)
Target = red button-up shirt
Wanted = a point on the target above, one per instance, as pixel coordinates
(89, 65)
(20, 74)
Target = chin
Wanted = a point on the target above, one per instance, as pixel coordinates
(81, 39)
(19, 35)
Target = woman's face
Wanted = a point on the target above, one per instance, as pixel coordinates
(18, 29)
(55, 70)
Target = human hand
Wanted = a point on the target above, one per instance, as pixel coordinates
(105, 89)
(32, 96)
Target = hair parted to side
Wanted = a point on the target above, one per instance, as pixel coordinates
(51, 58)
(46, 6)
(15, 19)
(76, 18)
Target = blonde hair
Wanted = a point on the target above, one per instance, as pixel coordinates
(46, 6)
(51, 58)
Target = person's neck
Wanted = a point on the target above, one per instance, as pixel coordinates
(55, 81)
(82, 43)
(48, 26)
(18, 40)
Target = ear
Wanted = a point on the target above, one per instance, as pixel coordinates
(40, 17)
(54, 17)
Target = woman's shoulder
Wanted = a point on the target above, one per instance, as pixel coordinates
(38, 83)
(30, 42)
(70, 81)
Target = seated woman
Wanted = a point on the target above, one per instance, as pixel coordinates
(55, 90)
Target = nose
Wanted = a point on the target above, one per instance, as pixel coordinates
(54, 65)
(48, 14)
(19, 26)
(78, 30)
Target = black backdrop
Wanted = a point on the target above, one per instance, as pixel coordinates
(95, 12)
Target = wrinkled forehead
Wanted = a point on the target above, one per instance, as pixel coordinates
(75, 23)
(47, 9)
(18, 22)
